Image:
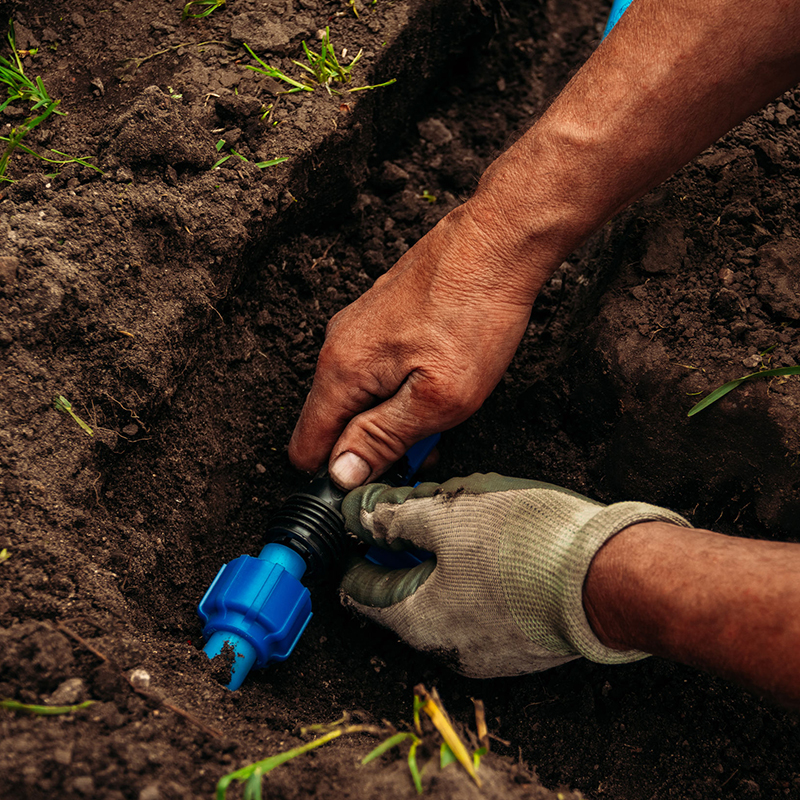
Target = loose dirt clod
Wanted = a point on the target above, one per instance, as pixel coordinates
(222, 664)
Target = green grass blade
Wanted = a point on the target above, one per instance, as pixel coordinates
(386, 745)
(274, 72)
(417, 708)
(356, 59)
(252, 789)
(43, 711)
(413, 768)
(446, 755)
(373, 86)
(60, 403)
(45, 98)
(271, 162)
(32, 123)
(263, 63)
(12, 40)
(268, 764)
(19, 146)
(68, 159)
(721, 391)
(328, 53)
(305, 67)
(211, 6)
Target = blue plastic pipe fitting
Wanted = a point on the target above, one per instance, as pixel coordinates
(257, 608)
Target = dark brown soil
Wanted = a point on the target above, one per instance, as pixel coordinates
(180, 309)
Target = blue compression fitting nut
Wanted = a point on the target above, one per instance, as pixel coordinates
(257, 606)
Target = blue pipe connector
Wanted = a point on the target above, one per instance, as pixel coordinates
(257, 608)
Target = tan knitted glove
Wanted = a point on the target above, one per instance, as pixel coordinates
(503, 594)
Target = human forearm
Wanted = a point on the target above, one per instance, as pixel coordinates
(670, 79)
(719, 603)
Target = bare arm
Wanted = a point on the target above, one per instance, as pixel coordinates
(422, 349)
(730, 606)
(671, 78)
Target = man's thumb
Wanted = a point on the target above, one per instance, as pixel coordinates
(378, 437)
(370, 444)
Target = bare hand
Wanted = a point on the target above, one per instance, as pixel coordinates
(419, 352)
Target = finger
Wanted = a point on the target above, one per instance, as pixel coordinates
(358, 507)
(379, 436)
(380, 587)
(333, 401)
(395, 518)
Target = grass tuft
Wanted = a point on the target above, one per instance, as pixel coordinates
(21, 89)
(452, 748)
(197, 9)
(260, 164)
(432, 706)
(323, 68)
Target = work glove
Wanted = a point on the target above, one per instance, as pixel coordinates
(503, 592)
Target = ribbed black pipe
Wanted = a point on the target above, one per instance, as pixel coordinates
(311, 524)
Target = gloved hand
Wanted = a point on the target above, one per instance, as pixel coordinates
(503, 594)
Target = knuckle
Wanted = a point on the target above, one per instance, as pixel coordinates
(450, 394)
(328, 358)
(334, 364)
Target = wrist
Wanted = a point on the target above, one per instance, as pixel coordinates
(550, 538)
(603, 585)
(535, 204)
(624, 577)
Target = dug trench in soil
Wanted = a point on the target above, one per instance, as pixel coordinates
(118, 539)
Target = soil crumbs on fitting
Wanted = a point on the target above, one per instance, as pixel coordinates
(117, 292)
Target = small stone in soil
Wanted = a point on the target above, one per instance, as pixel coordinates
(68, 693)
(140, 679)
